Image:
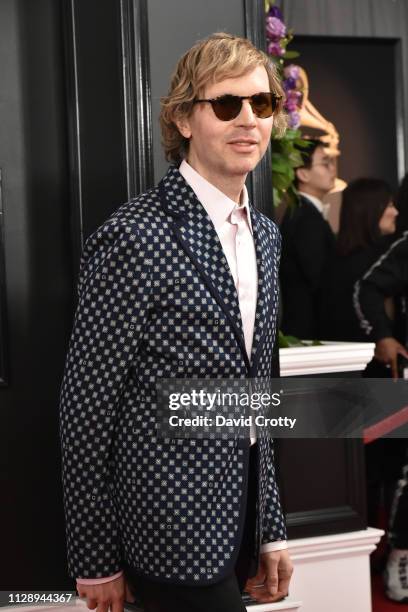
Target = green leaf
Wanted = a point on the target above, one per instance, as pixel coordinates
(296, 159)
(288, 341)
(279, 164)
(291, 134)
(277, 196)
(291, 54)
(283, 343)
(304, 144)
(281, 181)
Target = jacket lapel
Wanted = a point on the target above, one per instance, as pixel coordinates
(196, 234)
(266, 263)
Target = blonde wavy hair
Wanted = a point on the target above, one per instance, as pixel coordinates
(218, 57)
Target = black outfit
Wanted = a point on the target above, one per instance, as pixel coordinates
(220, 597)
(388, 276)
(339, 320)
(307, 249)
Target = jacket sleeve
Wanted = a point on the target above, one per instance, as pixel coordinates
(112, 309)
(387, 277)
(274, 525)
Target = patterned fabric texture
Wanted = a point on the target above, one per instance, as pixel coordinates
(157, 300)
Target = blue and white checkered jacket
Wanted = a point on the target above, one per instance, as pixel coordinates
(157, 300)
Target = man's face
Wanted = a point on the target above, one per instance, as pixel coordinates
(319, 179)
(224, 151)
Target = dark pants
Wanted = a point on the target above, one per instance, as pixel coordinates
(220, 597)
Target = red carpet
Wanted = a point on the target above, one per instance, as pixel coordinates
(380, 602)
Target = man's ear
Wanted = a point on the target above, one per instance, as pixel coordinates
(183, 125)
(302, 175)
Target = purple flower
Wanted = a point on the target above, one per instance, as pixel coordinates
(292, 101)
(289, 83)
(274, 48)
(294, 120)
(291, 106)
(275, 28)
(292, 71)
(294, 94)
(274, 11)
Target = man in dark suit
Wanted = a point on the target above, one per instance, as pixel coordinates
(180, 282)
(307, 245)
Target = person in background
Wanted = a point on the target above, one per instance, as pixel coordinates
(388, 277)
(367, 221)
(367, 224)
(307, 245)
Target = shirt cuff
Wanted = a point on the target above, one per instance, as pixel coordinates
(272, 546)
(91, 581)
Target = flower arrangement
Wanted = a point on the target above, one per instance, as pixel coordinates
(286, 155)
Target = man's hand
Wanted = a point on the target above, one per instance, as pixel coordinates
(387, 351)
(272, 580)
(106, 595)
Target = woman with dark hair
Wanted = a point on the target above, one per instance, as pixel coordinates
(367, 220)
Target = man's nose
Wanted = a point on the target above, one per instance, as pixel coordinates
(246, 115)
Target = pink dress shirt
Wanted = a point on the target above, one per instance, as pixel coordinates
(232, 222)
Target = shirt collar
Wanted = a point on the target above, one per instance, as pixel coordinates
(315, 201)
(217, 205)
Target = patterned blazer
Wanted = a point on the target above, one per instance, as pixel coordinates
(157, 300)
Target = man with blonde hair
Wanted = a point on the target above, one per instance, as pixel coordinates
(180, 282)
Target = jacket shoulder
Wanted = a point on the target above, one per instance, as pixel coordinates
(131, 218)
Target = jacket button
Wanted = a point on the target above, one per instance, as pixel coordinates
(131, 326)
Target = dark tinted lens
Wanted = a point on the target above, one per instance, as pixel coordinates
(263, 104)
(227, 107)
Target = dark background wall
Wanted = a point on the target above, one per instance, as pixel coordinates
(365, 18)
(354, 84)
(186, 22)
(33, 158)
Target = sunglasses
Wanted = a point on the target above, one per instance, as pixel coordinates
(228, 107)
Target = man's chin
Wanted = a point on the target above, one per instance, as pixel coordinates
(244, 166)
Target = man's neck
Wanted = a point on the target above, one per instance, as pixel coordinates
(232, 188)
(315, 193)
